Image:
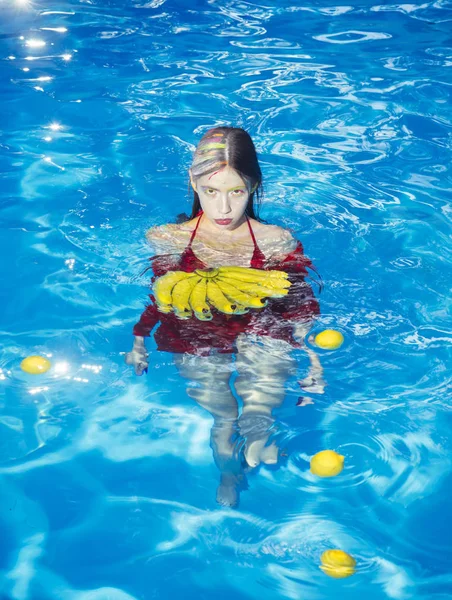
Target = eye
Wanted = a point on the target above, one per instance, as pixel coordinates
(210, 191)
(238, 192)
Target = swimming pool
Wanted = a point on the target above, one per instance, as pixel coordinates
(107, 480)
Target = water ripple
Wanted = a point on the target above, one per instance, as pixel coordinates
(108, 482)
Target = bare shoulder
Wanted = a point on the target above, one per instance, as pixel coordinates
(170, 237)
(274, 241)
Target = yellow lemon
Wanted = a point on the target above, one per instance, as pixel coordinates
(35, 365)
(327, 463)
(337, 564)
(330, 339)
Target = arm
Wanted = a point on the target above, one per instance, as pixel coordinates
(314, 381)
(161, 239)
(138, 357)
(288, 255)
(302, 306)
(168, 239)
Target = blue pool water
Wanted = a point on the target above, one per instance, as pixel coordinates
(107, 480)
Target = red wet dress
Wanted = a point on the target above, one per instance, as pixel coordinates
(192, 336)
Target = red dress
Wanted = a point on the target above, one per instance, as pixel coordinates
(201, 337)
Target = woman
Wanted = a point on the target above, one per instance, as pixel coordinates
(224, 230)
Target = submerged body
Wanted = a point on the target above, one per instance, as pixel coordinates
(256, 346)
(276, 320)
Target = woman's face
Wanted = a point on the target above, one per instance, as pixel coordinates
(223, 196)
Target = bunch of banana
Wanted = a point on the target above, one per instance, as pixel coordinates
(230, 290)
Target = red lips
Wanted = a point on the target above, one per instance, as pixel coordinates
(223, 221)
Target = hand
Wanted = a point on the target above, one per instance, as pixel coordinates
(138, 359)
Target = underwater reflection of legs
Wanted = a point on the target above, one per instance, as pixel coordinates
(264, 364)
(208, 383)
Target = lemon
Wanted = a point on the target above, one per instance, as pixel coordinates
(35, 365)
(337, 564)
(327, 463)
(330, 339)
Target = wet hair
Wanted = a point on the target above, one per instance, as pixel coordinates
(232, 147)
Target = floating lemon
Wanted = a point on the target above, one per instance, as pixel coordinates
(337, 564)
(35, 365)
(327, 463)
(330, 339)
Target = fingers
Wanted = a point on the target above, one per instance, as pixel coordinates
(140, 368)
(138, 360)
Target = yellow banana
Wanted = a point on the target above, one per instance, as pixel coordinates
(218, 299)
(266, 281)
(231, 290)
(256, 273)
(249, 275)
(272, 284)
(208, 274)
(276, 282)
(164, 308)
(163, 288)
(239, 297)
(181, 295)
(241, 310)
(261, 291)
(198, 301)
